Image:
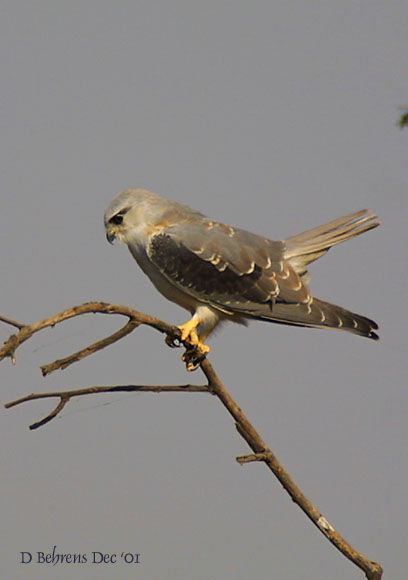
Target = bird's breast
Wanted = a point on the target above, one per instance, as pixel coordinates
(166, 288)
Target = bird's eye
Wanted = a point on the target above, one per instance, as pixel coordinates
(116, 219)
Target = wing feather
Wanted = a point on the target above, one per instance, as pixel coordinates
(226, 267)
(244, 274)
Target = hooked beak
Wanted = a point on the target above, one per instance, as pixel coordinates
(110, 237)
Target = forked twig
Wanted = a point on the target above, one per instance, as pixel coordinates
(261, 452)
(65, 396)
(136, 318)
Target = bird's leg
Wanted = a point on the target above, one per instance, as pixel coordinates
(198, 349)
(189, 332)
(204, 335)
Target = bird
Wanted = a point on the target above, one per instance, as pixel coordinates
(223, 273)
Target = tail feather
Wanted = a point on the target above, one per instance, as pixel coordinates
(303, 248)
(320, 314)
(338, 317)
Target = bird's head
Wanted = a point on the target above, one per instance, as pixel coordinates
(128, 212)
(116, 224)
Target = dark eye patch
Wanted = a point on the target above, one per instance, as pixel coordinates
(118, 217)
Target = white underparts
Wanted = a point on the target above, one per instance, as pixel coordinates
(208, 319)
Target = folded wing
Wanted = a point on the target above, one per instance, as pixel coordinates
(241, 273)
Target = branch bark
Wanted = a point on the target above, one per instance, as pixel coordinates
(261, 452)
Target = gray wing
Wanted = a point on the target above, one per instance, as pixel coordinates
(238, 272)
(226, 267)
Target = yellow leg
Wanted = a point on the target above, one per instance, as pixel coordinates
(188, 332)
(199, 349)
(204, 335)
(196, 349)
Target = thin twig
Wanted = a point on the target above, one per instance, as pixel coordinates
(65, 396)
(8, 320)
(262, 452)
(253, 457)
(135, 319)
(63, 363)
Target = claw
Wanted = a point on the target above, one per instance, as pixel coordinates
(192, 366)
(196, 350)
(192, 358)
(194, 355)
(189, 334)
(172, 342)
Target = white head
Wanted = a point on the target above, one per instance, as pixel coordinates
(131, 209)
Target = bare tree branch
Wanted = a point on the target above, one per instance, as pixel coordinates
(63, 363)
(65, 396)
(373, 571)
(253, 457)
(8, 320)
(262, 452)
(136, 318)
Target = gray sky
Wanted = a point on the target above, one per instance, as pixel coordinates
(275, 117)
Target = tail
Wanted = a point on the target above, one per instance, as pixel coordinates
(320, 314)
(308, 246)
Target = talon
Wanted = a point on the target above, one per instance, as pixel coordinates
(202, 349)
(192, 362)
(193, 356)
(186, 356)
(196, 350)
(172, 342)
(199, 351)
(192, 366)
